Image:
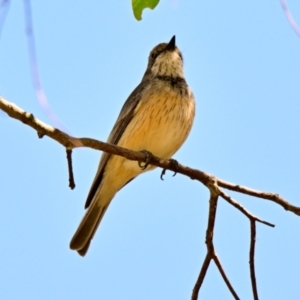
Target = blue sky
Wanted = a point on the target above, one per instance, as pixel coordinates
(242, 61)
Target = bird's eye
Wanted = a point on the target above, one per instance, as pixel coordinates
(180, 55)
(153, 56)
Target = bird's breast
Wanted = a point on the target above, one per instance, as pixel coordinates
(162, 120)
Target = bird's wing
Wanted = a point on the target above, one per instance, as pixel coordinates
(125, 116)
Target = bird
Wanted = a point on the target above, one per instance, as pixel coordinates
(156, 117)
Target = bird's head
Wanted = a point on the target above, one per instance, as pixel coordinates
(165, 60)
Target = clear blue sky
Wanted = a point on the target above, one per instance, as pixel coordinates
(242, 60)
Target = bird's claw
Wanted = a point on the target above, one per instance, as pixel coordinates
(174, 163)
(144, 165)
(163, 172)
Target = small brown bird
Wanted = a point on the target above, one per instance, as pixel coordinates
(157, 117)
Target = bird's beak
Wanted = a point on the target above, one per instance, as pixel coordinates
(171, 46)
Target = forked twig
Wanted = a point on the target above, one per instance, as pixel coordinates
(243, 210)
(253, 219)
(225, 278)
(211, 254)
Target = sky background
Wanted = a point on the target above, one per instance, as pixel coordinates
(242, 61)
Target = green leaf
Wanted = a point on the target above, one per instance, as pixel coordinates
(139, 5)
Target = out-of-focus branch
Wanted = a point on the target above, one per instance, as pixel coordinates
(4, 6)
(34, 67)
(290, 17)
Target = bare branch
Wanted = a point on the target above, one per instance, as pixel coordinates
(71, 142)
(209, 239)
(70, 169)
(201, 277)
(208, 180)
(251, 258)
(34, 67)
(211, 254)
(4, 6)
(243, 210)
(225, 278)
(253, 219)
(290, 17)
(259, 194)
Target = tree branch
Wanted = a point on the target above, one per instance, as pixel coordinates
(70, 169)
(243, 210)
(211, 182)
(259, 194)
(211, 254)
(72, 142)
(251, 259)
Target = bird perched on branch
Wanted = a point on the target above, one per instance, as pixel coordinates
(157, 117)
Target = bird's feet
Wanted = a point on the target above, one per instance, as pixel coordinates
(149, 156)
(174, 163)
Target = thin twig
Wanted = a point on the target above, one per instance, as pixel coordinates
(290, 17)
(70, 169)
(4, 6)
(208, 240)
(201, 277)
(35, 74)
(225, 278)
(213, 202)
(259, 194)
(243, 210)
(253, 219)
(251, 259)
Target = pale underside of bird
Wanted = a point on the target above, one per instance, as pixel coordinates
(157, 117)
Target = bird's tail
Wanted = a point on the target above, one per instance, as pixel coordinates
(88, 226)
